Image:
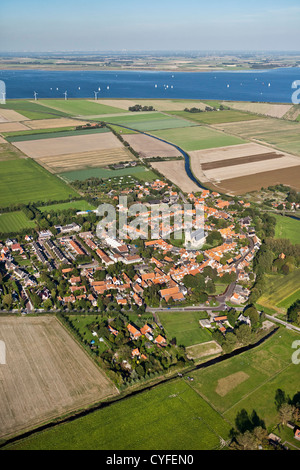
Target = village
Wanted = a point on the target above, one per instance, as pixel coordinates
(72, 270)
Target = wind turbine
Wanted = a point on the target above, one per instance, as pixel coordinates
(96, 95)
(66, 95)
(35, 95)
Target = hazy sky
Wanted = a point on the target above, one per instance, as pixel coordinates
(56, 25)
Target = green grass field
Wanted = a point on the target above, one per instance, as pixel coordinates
(78, 205)
(279, 288)
(149, 121)
(286, 227)
(77, 107)
(288, 301)
(56, 134)
(198, 138)
(216, 117)
(184, 326)
(170, 416)
(33, 110)
(138, 172)
(24, 181)
(251, 379)
(14, 222)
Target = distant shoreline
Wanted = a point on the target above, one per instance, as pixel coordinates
(56, 68)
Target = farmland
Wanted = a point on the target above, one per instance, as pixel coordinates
(171, 105)
(245, 184)
(197, 138)
(52, 134)
(279, 287)
(80, 205)
(174, 170)
(12, 127)
(9, 136)
(184, 326)
(71, 151)
(166, 105)
(170, 416)
(139, 172)
(216, 117)
(32, 110)
(265, 109)
(48, 147)
(53, 123)
(8, 152)
(14, 222)
(23, 181)
(84, 160)
(242, 168)
(40, 363)
(149, 147)
(281, 134)
(148, 121)
(9, 115)
(249, 381)
(286, 227)
(79, 107)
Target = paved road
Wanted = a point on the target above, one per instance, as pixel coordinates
(286, 324)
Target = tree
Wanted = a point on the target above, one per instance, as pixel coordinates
(247, 441)
(232, 316)
(243, 334)
(251, 440)
(7, 300)
(218, 337)
(286, 413)
(261, 435)
(293, 313)
(214, 237)
(210, 287)
(47, 304)
(230, 342)
(253, 315)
